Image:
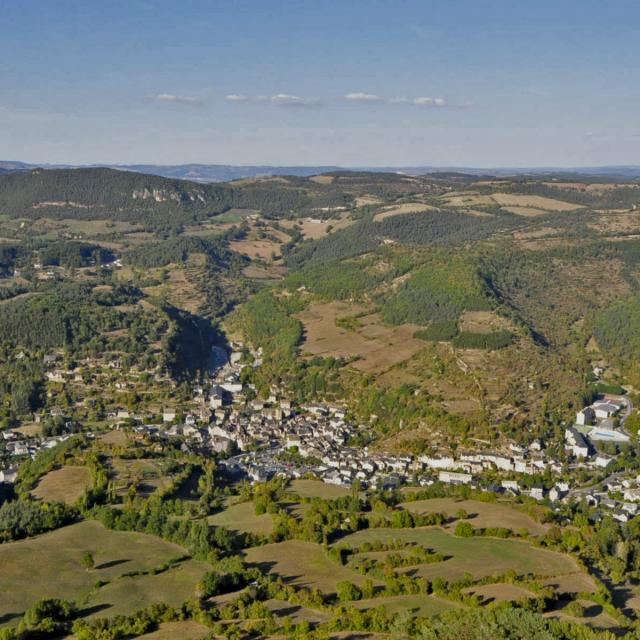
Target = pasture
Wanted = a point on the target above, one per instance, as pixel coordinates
(242, 518)
(594, 616)
(50, 566)
(313, 229)
(147, 474)
(317, 489)
(398, 210)
(303, 564)
(114, 438)
(66, 484)
(481, 514)
(420, 604)
(478, 556)
(377, 347)
(183, 629)
(297, 613)
(256, 249)
(500, 592)
(526, 205)
(483, 322)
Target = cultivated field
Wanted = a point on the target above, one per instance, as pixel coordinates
(114, 438)
(482, 322)
(481, 514)
(376, 346)
(317, 489)
(421, 604)
(594, 616)
(125, 595)
(478, 556)
(63, 485)
(184, 630)
(312, 228)
(147, 474)
(242, 518)
(50, 566)
(407, 207)
(489, 593)
(256, 249)
(526, 205)
(536, 202)
(296, 612)
(300, 563)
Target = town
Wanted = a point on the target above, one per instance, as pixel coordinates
(262, 439)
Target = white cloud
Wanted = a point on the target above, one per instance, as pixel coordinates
(280, 99)
(421, 101)
(171, 97)
(359, 96)
(286, 99)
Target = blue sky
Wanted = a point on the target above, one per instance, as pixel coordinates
(347, 82)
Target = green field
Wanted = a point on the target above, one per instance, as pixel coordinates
(481, 514)
(50, 566)
(317, 489)
(184, 630)
(63, 485)
(302, 564)
(242, 518)
(420, 604)
(478, 556)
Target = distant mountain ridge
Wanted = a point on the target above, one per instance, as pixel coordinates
(226, 173)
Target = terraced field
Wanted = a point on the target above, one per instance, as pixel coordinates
(478, 556)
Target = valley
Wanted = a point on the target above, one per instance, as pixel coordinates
(318, 406)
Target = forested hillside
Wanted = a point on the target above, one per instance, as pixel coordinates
(436, 282)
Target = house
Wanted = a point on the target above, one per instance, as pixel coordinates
(510, 485)
(438, 463)
(576, 443)
(631, 495)
(451, 477)
(558, 492)
(537, 493)
(585, 417)
(536, 445)
(605, 409)
(8, 475)
(168, 415)
(603, 460)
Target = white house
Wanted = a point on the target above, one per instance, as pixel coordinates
(537, 493)
(576, 443)
(603, 460)
(605, 409)
(585, 417)
(451, 477)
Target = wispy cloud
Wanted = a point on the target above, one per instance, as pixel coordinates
(290, 100)
(279, 99)
(421, 101)
(172, 97)
(359, 96)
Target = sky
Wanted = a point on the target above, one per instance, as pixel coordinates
(468, 83)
